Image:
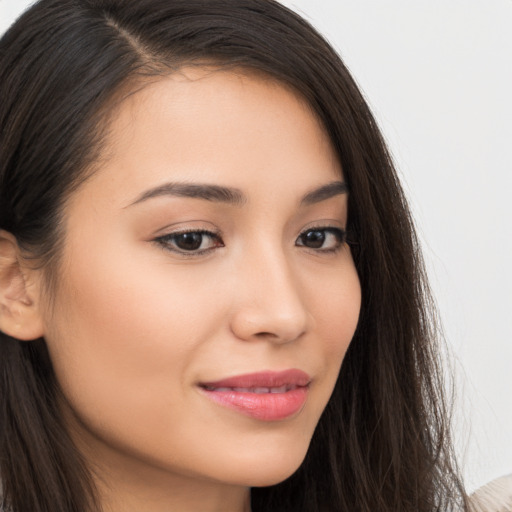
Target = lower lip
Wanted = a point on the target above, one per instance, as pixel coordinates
(262, 406)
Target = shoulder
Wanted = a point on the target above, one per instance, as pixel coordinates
(496, 496)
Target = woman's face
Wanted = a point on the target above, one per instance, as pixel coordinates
(206, 294)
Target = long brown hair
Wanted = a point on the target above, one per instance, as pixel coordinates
(383, 441)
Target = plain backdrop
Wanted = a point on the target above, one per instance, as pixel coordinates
(438, 75)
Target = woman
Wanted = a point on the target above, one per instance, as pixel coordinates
(211, 292)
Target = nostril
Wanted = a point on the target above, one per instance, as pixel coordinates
(280, 336)
(266, 335)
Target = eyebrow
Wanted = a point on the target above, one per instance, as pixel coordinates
(324, 192)
(233, 196)
(214, 193)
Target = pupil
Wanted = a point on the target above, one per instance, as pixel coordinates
(314, 239)
(189, 241)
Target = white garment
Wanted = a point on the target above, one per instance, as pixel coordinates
(496, 496)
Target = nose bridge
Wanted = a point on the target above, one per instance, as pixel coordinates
(268, 299)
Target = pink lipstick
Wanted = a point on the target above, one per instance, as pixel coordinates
(266, 396)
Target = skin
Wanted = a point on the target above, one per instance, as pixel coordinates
(136, 324)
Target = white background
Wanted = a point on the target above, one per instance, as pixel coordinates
(438, 75)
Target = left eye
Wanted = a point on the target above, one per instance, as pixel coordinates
(323, 239)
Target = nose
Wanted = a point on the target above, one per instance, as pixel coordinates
(268, 302)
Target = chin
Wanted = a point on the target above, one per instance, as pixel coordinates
(272, 478)
(274, 469)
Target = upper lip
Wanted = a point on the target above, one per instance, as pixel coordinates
(265, 379)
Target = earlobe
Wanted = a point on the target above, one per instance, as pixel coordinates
(20, 315)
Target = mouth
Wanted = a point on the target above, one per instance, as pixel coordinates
(265, 396)
(258, 390)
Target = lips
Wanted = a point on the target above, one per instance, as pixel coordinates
(266, 396)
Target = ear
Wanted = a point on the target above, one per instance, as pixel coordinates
(20, 315)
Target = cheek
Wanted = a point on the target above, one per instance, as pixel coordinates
(336, 306)
(122, 334)
(130, 302)
(336, 312)
(122, 343)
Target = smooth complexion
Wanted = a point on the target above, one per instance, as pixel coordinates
(144, 315)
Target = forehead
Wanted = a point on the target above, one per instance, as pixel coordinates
(210, 125)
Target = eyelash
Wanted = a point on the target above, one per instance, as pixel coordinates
(168, 241)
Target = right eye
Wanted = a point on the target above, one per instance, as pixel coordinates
(190, 242)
